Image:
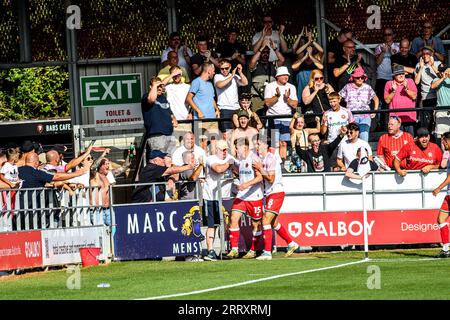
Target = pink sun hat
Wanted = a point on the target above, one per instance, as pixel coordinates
(359, 72)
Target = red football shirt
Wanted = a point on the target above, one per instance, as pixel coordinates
(389, 146)
(416, 158)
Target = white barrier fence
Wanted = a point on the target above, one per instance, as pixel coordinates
(331, 192)
(46, 208)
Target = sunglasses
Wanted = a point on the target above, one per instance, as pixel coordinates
(318, 78)
(227, 68)
(358, 78)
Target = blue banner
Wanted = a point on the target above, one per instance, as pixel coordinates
(146, 231)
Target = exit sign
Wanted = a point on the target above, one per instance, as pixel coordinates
(115, 100)
(110, 90)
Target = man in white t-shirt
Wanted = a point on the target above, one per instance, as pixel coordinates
(276, 37)
(218, 167)
(188, 145)
(176, 95)
(281, 99)
(226, 84)
(348, 148)
(383, 53)
(249, 200)
(184, 53)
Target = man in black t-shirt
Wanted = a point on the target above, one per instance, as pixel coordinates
(319, 157)
(405, 58)
(347, 63)
(231, 49)
(334, 50)
(32, 177)
(159, 120)
(203, 55)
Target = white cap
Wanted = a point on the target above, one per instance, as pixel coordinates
(282, 71)
(221, 145)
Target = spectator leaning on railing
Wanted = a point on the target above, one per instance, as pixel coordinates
(34, 178)
(347, 149)
(317, 157)
(9, 172)
(157, 170)
(420, 155)
(391, 142)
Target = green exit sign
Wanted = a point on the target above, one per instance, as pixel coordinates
(107, 90)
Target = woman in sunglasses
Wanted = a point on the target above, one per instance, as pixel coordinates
(359, 95)
(315, 97)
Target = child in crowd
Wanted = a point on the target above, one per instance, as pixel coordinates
(9, 173)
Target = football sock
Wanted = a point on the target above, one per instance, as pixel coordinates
(283, 233)
(444, 234)
(256, 236)
(234, 238)
(267, 236)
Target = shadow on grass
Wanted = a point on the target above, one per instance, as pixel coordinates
(414, 254)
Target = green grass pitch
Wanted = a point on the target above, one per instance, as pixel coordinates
(403, 274)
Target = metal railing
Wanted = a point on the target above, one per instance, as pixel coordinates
(48, 208)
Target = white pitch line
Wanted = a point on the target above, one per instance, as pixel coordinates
(252, 281)
(403, 259)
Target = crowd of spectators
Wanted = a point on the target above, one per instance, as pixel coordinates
(318, 121)
(28, 167)
(318, 110)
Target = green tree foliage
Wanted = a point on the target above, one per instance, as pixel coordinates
(34, 93)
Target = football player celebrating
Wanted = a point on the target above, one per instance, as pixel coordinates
(249, 200)
(270, 169)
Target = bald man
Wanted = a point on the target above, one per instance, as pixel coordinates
(34, 178)
(54, 161)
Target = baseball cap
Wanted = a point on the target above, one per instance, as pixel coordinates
(59, 148)
(157, 154)
(427, 48)
(232, 29)
(221, 145)
(422, 132)
(242, 113)
(245, 96)
(398, 69)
